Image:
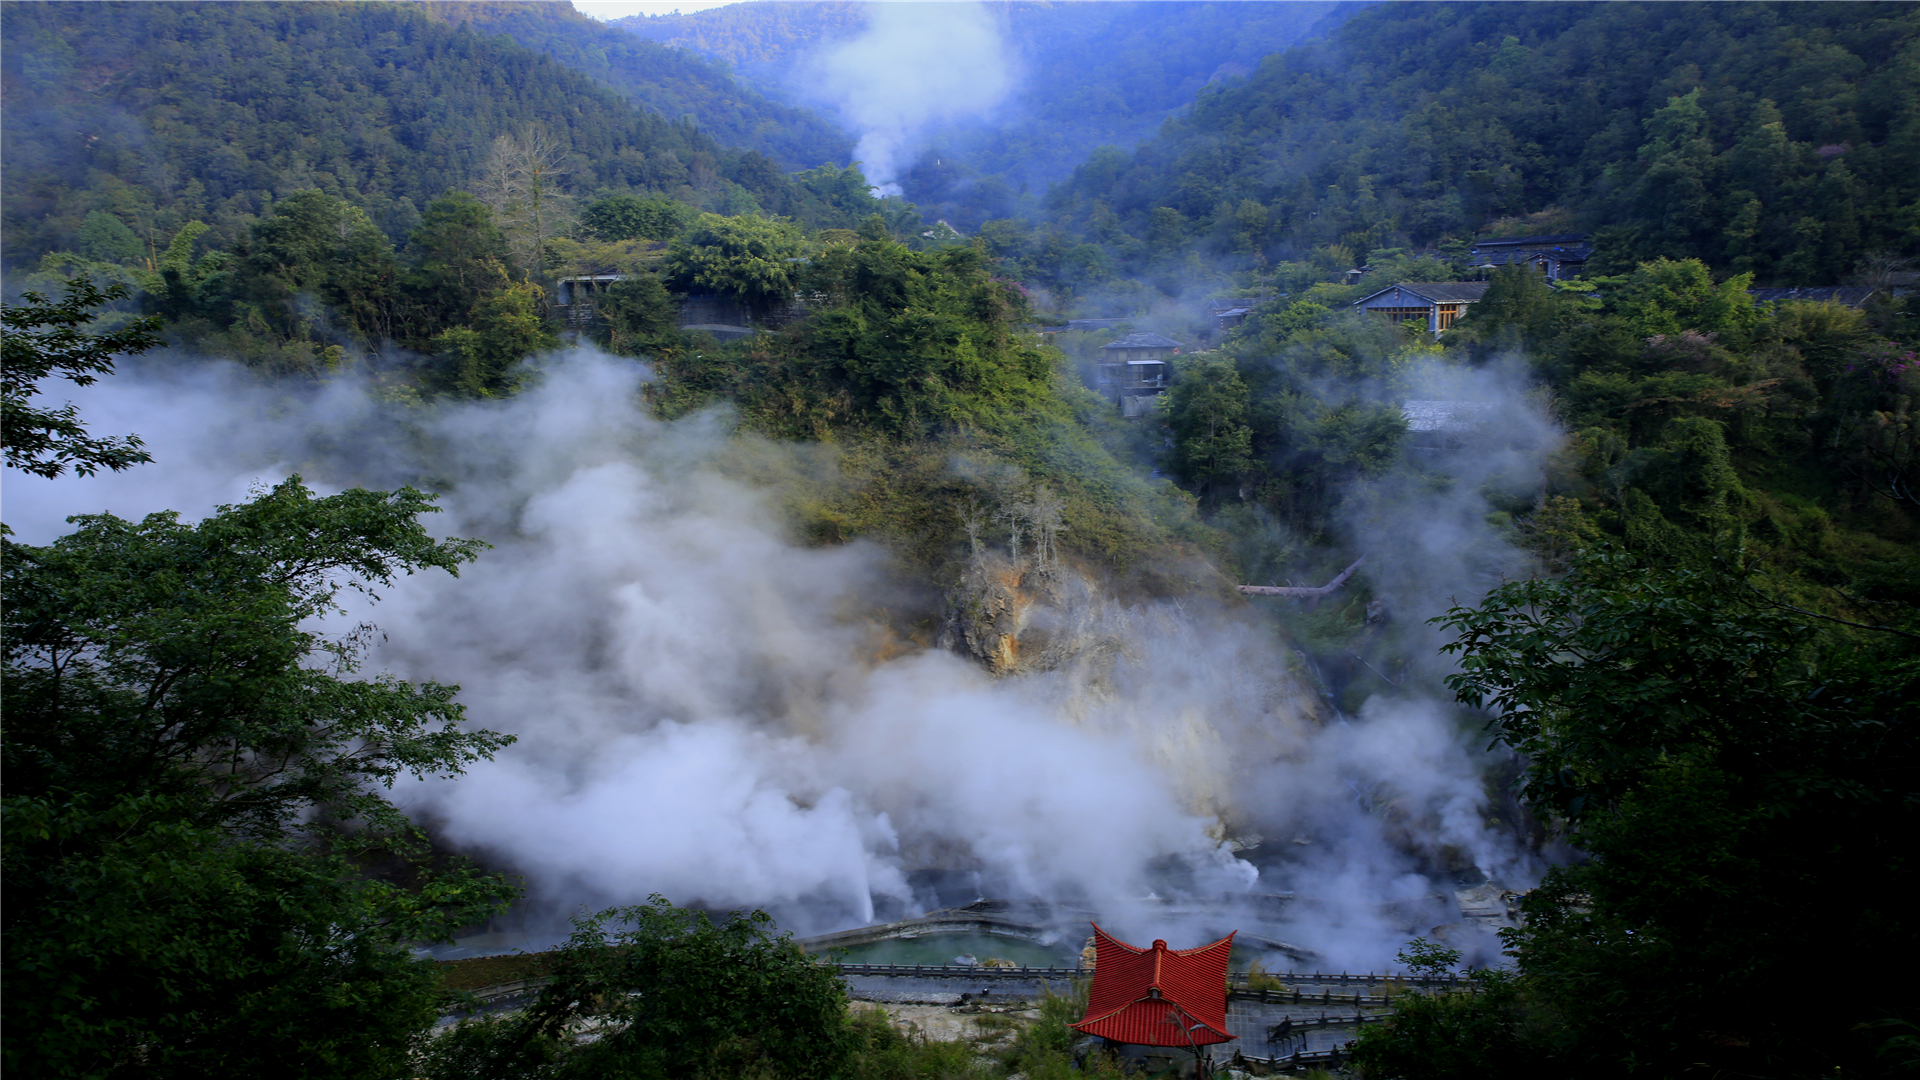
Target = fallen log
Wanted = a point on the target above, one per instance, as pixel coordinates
(1300, 591)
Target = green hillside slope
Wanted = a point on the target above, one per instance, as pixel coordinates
(659, 77)
(161, 114)
(1088, 75)
(1782, 139)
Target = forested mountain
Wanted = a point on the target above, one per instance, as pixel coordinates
(1782, 139)
(1086, 75)
(1700, 508)
(666, 80)
(161, 114)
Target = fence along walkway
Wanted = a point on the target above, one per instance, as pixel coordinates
(1293, 995)
(1291, 978)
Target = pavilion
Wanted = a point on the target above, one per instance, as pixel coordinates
(1174, 998)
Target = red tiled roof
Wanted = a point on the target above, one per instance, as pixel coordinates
(1157, 996)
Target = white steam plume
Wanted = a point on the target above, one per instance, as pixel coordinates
(914, 66)
(705, 709)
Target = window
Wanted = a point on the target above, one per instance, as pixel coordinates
(1399, 315)
(1450, 312)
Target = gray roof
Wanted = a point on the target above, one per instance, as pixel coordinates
(1850, 295)
(1433, 414)
(1143, 340)
(1438, 292)
(1561, 240)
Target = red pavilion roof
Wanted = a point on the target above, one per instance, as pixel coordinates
(1157, 996)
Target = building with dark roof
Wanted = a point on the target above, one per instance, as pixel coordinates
(1562, 256)
(1230, 311)
(1133, 370)
(1436, 303)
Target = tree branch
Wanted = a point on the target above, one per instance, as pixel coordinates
(1302, 592)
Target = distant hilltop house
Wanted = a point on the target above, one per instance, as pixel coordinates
(1853, 296)
(1436, 303)
(1557, 257)
(1227, 312)
(1133, 370)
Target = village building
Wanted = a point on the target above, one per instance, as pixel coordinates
(1158, 998)
(1134, 370)
(1557, 257)
(1440, 424)
(574, 297)
(1227, 312)
(1436, 303)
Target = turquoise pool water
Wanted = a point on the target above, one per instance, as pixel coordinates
(942, 948)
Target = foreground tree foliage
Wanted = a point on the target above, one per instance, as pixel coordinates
(665, 992)
(1745, 787)
(194, 793)
(47, 339)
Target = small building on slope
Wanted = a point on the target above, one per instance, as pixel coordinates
(1174, 999)
(1134, 370)
(1435, 303)
(1558, 257)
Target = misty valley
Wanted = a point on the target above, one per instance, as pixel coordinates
(828, 539)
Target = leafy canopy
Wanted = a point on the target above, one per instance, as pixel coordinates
(194, 799)
(669, 993)
(44, 339)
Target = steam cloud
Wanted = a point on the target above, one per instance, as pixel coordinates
(913, 67)
(710, 711)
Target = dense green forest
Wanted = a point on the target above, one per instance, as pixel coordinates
(1702, 658)
(1777, 139)
(163, 114)
(658, 78)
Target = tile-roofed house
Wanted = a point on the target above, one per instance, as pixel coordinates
(1561, 256)
(1443, 424)
(1133, 370)
(1143, 340)
(1436, 303)
(1852, 296)
(1228, 312)
(1158, 996)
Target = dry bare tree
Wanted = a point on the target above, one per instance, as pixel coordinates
(524, 186)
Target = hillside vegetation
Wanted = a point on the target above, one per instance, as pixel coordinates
(1780, 139)
(1087, 75)
(1684, 522)
(162, 114)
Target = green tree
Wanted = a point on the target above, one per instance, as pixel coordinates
(640, 314)
(670, 994)
(316, 246)
(634, 217)
(456, 255)
(194, 772)
(45, 339)
(504, 328)
(1666, 296)
(1717, 758)
(1207, 409)
(103, 236)
(754, 261)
